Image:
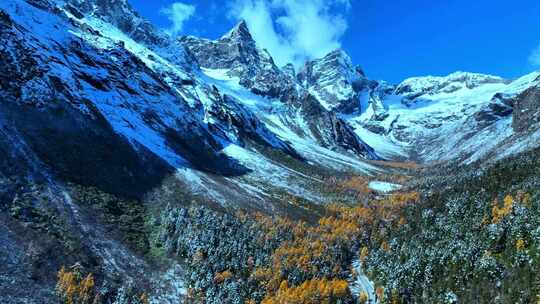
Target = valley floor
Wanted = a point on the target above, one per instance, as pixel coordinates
(462, 235)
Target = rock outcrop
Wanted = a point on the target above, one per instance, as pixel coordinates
(335, 81)
(527, 109)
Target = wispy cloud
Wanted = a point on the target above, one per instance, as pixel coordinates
(294, 30)
(178, 13)
(534, 58)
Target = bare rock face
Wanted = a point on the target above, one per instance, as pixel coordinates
(122, 15)
(238, 53)
(501, 105)
(526, 109)
(289, 70)
(335, 81)
(321, 89)
(332, 131)
(231, 120)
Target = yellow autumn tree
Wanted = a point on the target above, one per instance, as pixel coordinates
(73, 289)
(499, 213)
(363, 298)
(520, 245)
(66, 286)
(307, 246)
(221, 277)
(144, 299)
(86, 289)
(385, 246)
(311, 292)
(364, 254)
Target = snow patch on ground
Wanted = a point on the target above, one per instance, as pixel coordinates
(266, 172)
(170, 287)
(384, 187)
(383, 145)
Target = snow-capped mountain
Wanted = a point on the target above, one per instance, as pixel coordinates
(237, 61)
(430, 85)
(99, 109)
(237, 54)
(335, 82)
(462, 117)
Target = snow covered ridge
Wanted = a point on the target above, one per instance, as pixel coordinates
(232, 94)
(465, 117)
(238, 64)
(418, 86)
(196, 123)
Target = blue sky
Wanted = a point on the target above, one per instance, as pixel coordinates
(391, 40)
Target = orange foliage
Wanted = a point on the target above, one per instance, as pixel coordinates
(74, 290)
(385, 246)
(144, 299)
(310, 292)
(356, 183)
(221, 277)
(498, 213)
(311, 245)
(364, 254)
(305, 246)
(520, 245)
(394, 164)
(363, 298)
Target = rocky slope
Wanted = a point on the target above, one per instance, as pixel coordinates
(335, 82)
(123, 147)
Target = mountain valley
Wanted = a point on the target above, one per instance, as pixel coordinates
(137, 167)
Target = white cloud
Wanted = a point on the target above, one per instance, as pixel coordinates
(294, 30)
(534, 58)
(178, 13)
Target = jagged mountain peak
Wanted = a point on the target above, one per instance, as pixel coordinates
(238, 55)
(340, 58)
(239, 31)
(338, 53)
(334, 80)
(235, 50)
(122, 15)
(335, 58)
(289, 70)
(335, 62)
